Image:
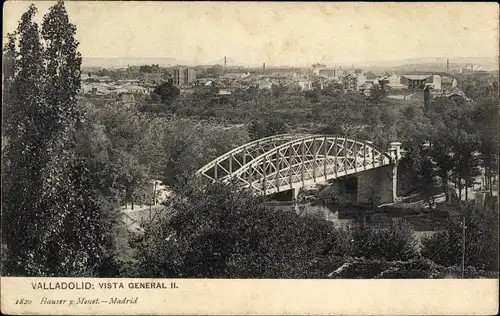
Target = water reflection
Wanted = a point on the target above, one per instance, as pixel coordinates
(329, 213)
(343, 216)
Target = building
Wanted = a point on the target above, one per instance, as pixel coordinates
(329, 72)
(349, 82)
(93, 78)
(436, 82)
(393, 82)
(264, 84)
(128, 81)
(305, 85)
(134, 89)
(448, 82)
(367, 88)
(361, 79)
(127, 98)
(235, 75)
(416, 81)
(456, 96)
(154, 78)
(183, 76)
(224, 91)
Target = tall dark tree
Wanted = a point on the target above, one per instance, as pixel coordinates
(420, 171)
(168, 92)
(24, 154)
(47, 189)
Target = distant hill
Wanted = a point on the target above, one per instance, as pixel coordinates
(433, 64)
(139, 61)
(414, 64)
(124, 62)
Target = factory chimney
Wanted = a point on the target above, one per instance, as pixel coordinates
(264, 67)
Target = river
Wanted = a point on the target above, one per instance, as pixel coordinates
(343, 216)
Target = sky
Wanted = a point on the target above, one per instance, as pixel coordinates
(277, 33)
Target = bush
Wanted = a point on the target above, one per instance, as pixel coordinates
(354, 268)
(394, 242)
(221, 232)
(481, 240)
(419, 268)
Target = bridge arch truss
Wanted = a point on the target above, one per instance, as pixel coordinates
(288, 161)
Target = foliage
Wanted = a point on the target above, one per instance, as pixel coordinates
(215, 71)
(188, 148)
(117, 145)
(219, 231)
(167, 92)
(360, 268)
(149, 68)
(481, 239)
(268, 127)
(393, 242)
(222, 232)
(377, 94)
(420, 172)
(485, 118)
(46, 186)
(419, 268)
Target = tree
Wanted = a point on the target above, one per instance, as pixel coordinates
(216, 70)
(222, 232)
(467, 160)
(187, 148)
(312, 95)
(377, 94)
(168, 92)
(316, 85)
(427, 96)
(485, 119)
(46, 186)
(421, 171)
(118, 147)
(277, 90)
(268, 127)
(149, 68)
(394, 242)
(481, 239)
(442, 156)
(454, 141)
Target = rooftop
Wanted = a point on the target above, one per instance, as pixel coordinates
(416, 77)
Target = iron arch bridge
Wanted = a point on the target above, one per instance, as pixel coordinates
(290, 161)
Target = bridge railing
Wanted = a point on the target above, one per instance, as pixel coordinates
(288, 160)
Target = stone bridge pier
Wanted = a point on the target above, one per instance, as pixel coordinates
(378, 186)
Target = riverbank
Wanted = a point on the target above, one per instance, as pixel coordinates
(424, 222)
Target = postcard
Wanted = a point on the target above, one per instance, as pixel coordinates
(240, 158)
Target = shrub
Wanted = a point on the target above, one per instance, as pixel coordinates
(394, 242)
(481, 240)
(222, 232)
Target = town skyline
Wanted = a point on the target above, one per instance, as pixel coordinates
(343, 33)
(480, 63)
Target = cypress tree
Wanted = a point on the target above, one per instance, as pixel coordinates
(53, 223)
